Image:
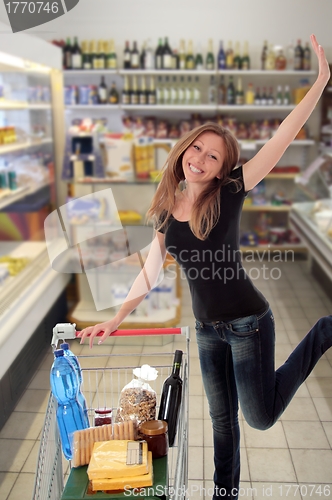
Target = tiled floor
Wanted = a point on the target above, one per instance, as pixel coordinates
(291, 460)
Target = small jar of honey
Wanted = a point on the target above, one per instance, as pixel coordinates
(155, 433)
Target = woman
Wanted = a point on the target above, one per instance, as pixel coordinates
(199, 226)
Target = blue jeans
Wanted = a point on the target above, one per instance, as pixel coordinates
(237, 363)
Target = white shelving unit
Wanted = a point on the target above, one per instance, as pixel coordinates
(27, 298)
(299, 149)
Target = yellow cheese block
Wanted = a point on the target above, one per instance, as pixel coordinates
(109, 460)
(125, 483)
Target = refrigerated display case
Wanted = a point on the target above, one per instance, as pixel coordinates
(32, 294)
(312, 217)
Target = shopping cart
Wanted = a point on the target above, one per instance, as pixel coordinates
(101, 386)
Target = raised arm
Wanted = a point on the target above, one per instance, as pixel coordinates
(144, 282)
(268, 156)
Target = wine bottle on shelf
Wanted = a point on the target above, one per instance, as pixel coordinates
(76, 55)
(167, 56)
(237, 61)
(159, 55)
(68, 54)
(113, 97)
(94, 55)
(270, 97)
(101, 54)
(250, 95)
(175, 60)
(279, 96)
(190, 60)
(149, 56)
(189, 92)
(287, 96)
(181, 91)
(102, 91)
(230, 91)
(212, 91)
(221, 56)
(174, 92)
(142, 56)
(134, 91)
(264, 97)
(229, 56)
(298, 56)
(221, 91)
(239, 96)
(264, 55)
(152, 92)
(199, 58)
(171, 398)
(209, 61)
(142, 93)
(167, 91)
(111, 58)
(196, 91)
(270, 63)
(257, 97)
(126, 56)
(134, 57)
(86, 56)
(126, 91)
(182, 55)
(160, 91)
(245, 61)
(306, 58)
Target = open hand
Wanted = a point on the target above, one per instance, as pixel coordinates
(323, 66)
(92, 331)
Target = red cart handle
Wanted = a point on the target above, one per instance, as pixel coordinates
(66, 331)
(140, 331)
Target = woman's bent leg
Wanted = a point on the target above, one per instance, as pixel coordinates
(263, 392)
(219, 384)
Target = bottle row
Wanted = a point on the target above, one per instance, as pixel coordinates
(174, 91)
(102, 54)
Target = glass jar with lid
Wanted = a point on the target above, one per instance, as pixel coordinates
(155, 433)
(103, 416)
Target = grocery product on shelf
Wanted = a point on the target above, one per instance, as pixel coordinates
(102, 54)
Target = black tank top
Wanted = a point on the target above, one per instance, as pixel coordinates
(219, 286)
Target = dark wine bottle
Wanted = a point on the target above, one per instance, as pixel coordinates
(171, 398)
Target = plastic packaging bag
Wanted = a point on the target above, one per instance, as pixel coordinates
(137, 399)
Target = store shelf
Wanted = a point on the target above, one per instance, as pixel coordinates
(266, 208)
(22, 105)
(202, 72)
(169, 107)
(258, 108)
(266, 249)
(19, 194)
(11, 148)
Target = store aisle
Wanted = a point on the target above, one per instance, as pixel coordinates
(291, 460)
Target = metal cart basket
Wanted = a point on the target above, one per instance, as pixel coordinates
(104, 376)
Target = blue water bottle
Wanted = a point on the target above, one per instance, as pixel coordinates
(80, 397)
(64, 386)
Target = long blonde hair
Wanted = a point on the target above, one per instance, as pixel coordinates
(206, 209)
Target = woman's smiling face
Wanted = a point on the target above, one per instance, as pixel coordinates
(203, 159)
